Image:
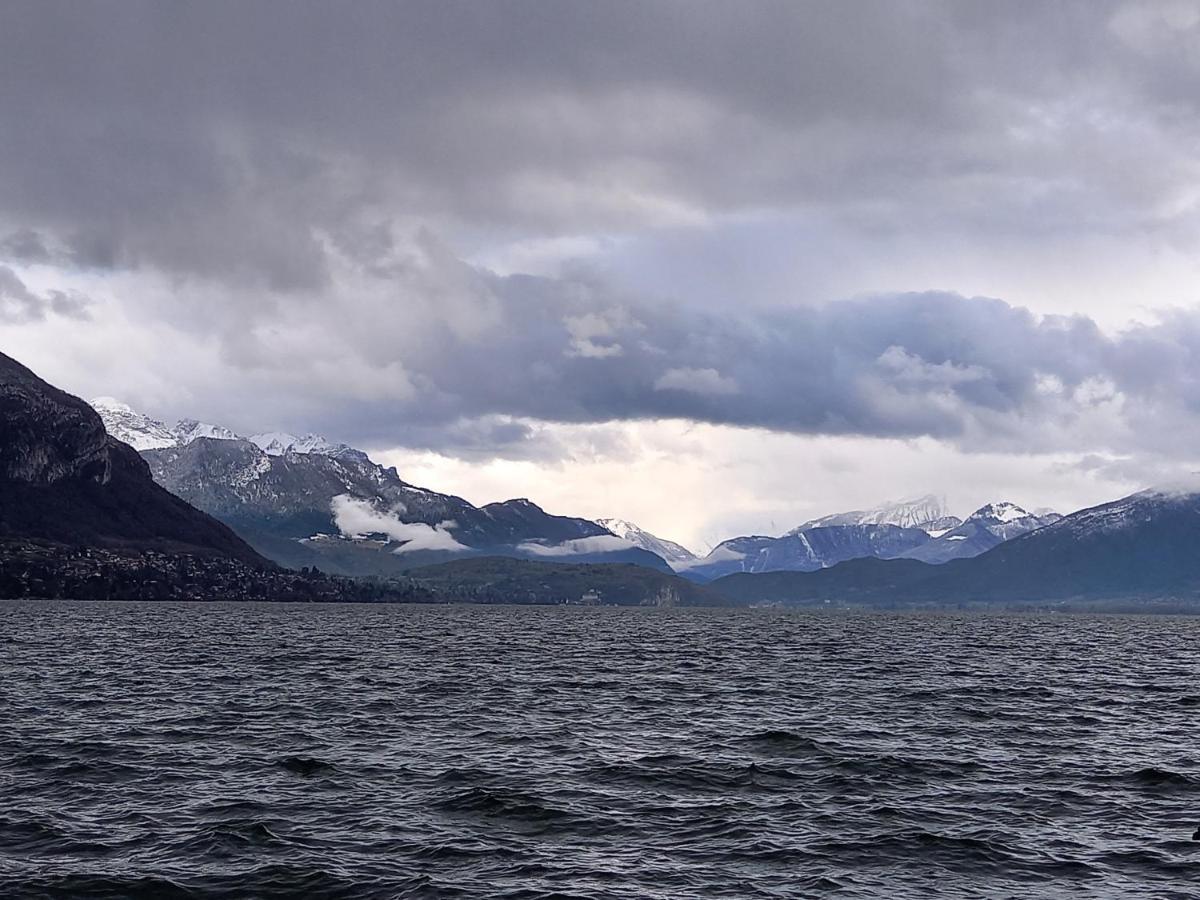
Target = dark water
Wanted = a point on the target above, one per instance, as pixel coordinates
(356, 751)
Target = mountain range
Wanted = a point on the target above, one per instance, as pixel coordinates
(1137, 549)
(81, 515)
(912, 529)
(308, 501)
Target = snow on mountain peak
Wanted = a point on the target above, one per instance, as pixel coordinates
(188, 430)
(676, 555)
(917, 512)
(1000, 512)
(145, 433)
(279, 443)
(137, 430)
(111, 404)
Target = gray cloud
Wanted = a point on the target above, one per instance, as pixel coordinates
(973, 371)
(436, 353)
(246, 142)
(290, 190)
(19, 304)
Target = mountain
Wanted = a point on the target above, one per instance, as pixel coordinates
(866, 581)
(317, 503)
(806, 550)
(145, 433)
(138, 431)
(64, 480)
(676, 555)
(502, 580)
(81, 518)
(932, 535)
(1143, 545)
(1138, 549)
(984, 529)
(927, 513)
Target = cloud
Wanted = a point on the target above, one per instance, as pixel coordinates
(294, 218)
(358, 518)
(428, 352)
(18, 304)
(250, 144)
(604, 543)
(696, 381)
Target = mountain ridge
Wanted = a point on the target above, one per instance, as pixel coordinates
(676, 555)
(1139, 547)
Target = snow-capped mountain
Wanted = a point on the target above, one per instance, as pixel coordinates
(676, 555)
(145, 433)
(1143, 545)
(927, 513)
(886, 531)
(349, 515)
(131, 427)
(187, 430)
(984, 529)
(806, 550)
(306, 500)
(278, 443)
(1133, 550)
(932, 536)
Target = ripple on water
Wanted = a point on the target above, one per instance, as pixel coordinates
(212, 751)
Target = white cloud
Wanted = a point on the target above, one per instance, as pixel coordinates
(358, 518)
(603, 543)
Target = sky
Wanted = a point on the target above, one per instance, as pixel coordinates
(713, 267)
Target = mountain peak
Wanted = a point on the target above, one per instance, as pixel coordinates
(1000, 512)
(916, 512)
(110, 403)
(676, 555)
(129, 426)
(145, 433)
(66, 480)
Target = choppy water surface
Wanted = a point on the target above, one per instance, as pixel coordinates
(400, 751)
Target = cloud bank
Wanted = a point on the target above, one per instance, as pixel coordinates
(358, 518)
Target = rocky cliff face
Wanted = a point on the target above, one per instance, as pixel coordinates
(63, 479)
(45, 437)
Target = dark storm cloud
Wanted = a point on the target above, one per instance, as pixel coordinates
(262, 167)
(240, 141)
(977, 372)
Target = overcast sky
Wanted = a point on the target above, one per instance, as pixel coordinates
(715, 267)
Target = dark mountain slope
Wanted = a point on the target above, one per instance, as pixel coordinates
(868, 581)
(1147, 544)
(64, 480)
